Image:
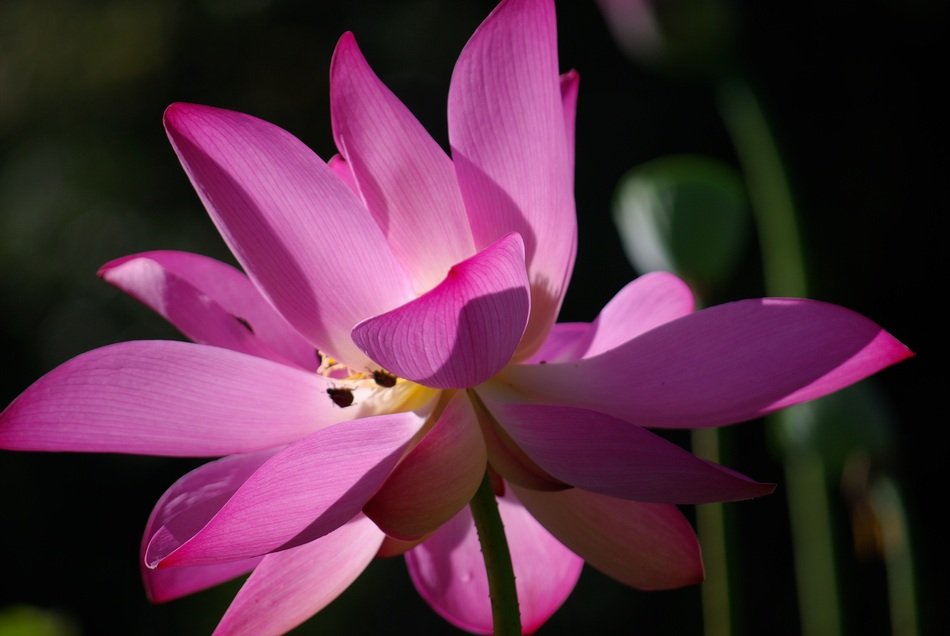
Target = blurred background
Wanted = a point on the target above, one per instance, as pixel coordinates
(87, 175)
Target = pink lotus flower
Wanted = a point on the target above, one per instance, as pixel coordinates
(434, 284)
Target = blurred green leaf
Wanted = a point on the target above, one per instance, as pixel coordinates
(24, 620)
(684, 214)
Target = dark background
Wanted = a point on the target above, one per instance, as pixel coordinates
(86, 175)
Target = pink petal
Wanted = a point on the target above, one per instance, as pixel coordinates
(612, 457)
(721, 365)
(167, 398)
(406, 179)
(342, 169)
(211, 303)
(566, 342)
(509, 146)
(649, 301)
(644, 545)
(437, 479)
(303, 237)
(570, 83)
(303, 492)
(462, 332)
(193, 500)
(289, 587)
(448, 570)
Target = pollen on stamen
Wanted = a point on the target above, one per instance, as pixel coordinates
(384, 379)
(341, 396)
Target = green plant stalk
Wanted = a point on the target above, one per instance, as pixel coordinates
(898, 558)
(506, 617)
(711, 527)
(784, 269)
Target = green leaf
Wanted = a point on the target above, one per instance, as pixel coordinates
(684, 214)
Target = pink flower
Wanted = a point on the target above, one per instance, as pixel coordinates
(434, 284)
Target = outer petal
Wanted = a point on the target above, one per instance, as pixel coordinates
(644, 545)
(289, 587)
(509, 146)
(448, 570)
(193, 500)
(406, 179)
(462, 332)
(303, 492)
(167, 398)
(211, 303)
(721, 365)
(298, 231)
(612, 457)
(437, 479)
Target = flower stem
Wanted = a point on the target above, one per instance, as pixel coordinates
(506, 617)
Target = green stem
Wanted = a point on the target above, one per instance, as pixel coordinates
(901, 581)
(784, 268)
(711, 527)
(769, 190)
(506, 617)
(810, 518)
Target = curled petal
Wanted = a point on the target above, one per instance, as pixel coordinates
(211, 303)
(291, 223)
(289, 587)
(303, 492)
(722, 365)
(645, 545)
(510, 150)
(570, 83)
(167, 398)
(448, 570)
(192, 501)
(463, 331)
(436, 480)
(612, 457)
(406, 179)
(342, 169)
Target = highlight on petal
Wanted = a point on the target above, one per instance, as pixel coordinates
(303, 492)
(406, 179)
(463, 331)
(298, 231)
(448, 570)
(436, 479)
(167, 398)
(289, 587)
(510, 149)
(645, 545)
(192, 501)
(603, 454)
(211, 303)
(721, 365)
